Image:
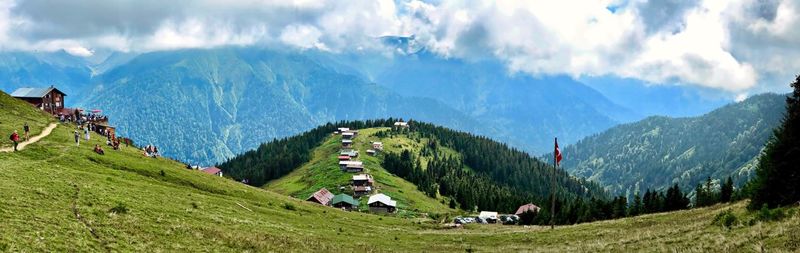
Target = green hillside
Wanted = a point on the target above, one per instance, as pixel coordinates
(60, 197)
(660, 151)
(323, 171)
(15, 114)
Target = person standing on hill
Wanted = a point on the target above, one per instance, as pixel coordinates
(15, 138)
(86, 132)
(27, 131)
(77, 138)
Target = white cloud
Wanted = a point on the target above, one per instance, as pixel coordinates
(734, 45)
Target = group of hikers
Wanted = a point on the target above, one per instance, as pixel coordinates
(150, 151)
(15, 136)
(85, 124)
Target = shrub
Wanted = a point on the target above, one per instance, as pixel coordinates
(289, 206)
(766, 214)
(120, 208)
(726, 219)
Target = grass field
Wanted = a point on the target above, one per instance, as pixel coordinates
(57, 197)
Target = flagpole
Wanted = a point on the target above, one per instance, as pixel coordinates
(553, 189)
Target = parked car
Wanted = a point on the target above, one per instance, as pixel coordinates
(509, 219)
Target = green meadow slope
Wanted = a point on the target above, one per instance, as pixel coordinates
(58, 197)
(323, 171)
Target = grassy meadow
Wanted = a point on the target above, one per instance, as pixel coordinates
(59, 197)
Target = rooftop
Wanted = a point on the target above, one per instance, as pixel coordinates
(28, 92)
(380, 197)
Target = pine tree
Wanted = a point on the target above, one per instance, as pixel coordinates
(778, 172)
(726, 191)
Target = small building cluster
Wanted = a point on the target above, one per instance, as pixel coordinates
(361, 184)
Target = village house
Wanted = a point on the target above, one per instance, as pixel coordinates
(343, 129)
(401, 124)
(345, 202)
(347, 143)
(527, 207)
(380, 203)
(343, 164)
(359, 191)
(344, 158)
(371, 152)
(322, 197)
(349, 152)
(354, 168)
(212, 171)
(348, 135)
(363, 180)
(47, 99)
(377, 145)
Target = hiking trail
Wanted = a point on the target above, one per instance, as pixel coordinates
(33, 139)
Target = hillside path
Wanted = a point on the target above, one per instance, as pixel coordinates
(33, 139)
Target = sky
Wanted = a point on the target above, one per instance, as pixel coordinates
(738, 46)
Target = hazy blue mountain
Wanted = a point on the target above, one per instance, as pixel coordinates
(662, 100)
(659, 151)
(527, 111)
(203, 106)
(69, 73)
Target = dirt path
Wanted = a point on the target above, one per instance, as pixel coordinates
(33, 139)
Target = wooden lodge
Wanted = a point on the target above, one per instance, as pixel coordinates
(401, 124)
(380, 203)
(322, 197)
(354, 168)
(377, 145)
(363, 180)
(347, 143)
(48, 99)
(345, 202)
(344, 158)
(348, 135)
(359, 191)
(343, 164)
(371, 152)
(349, 152)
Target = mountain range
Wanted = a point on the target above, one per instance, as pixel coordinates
(205, 105)
(660, 151)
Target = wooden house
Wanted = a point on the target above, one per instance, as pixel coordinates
(322, 197)
(347, 143)
(401, 124)
(359, 191)
(345, 202)
(343, 164)
(348, 135)
(371, 152)
(380, 203)
(47, 99)
(212, 171)
(354, 168)
(349, 152)
(363, 180)
(344, 158)
(377, 145)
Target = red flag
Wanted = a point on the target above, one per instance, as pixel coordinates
(557, 154)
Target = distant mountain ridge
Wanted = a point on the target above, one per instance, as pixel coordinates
(659, 151)
(202, 106)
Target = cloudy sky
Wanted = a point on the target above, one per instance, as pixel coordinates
(737, 46)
